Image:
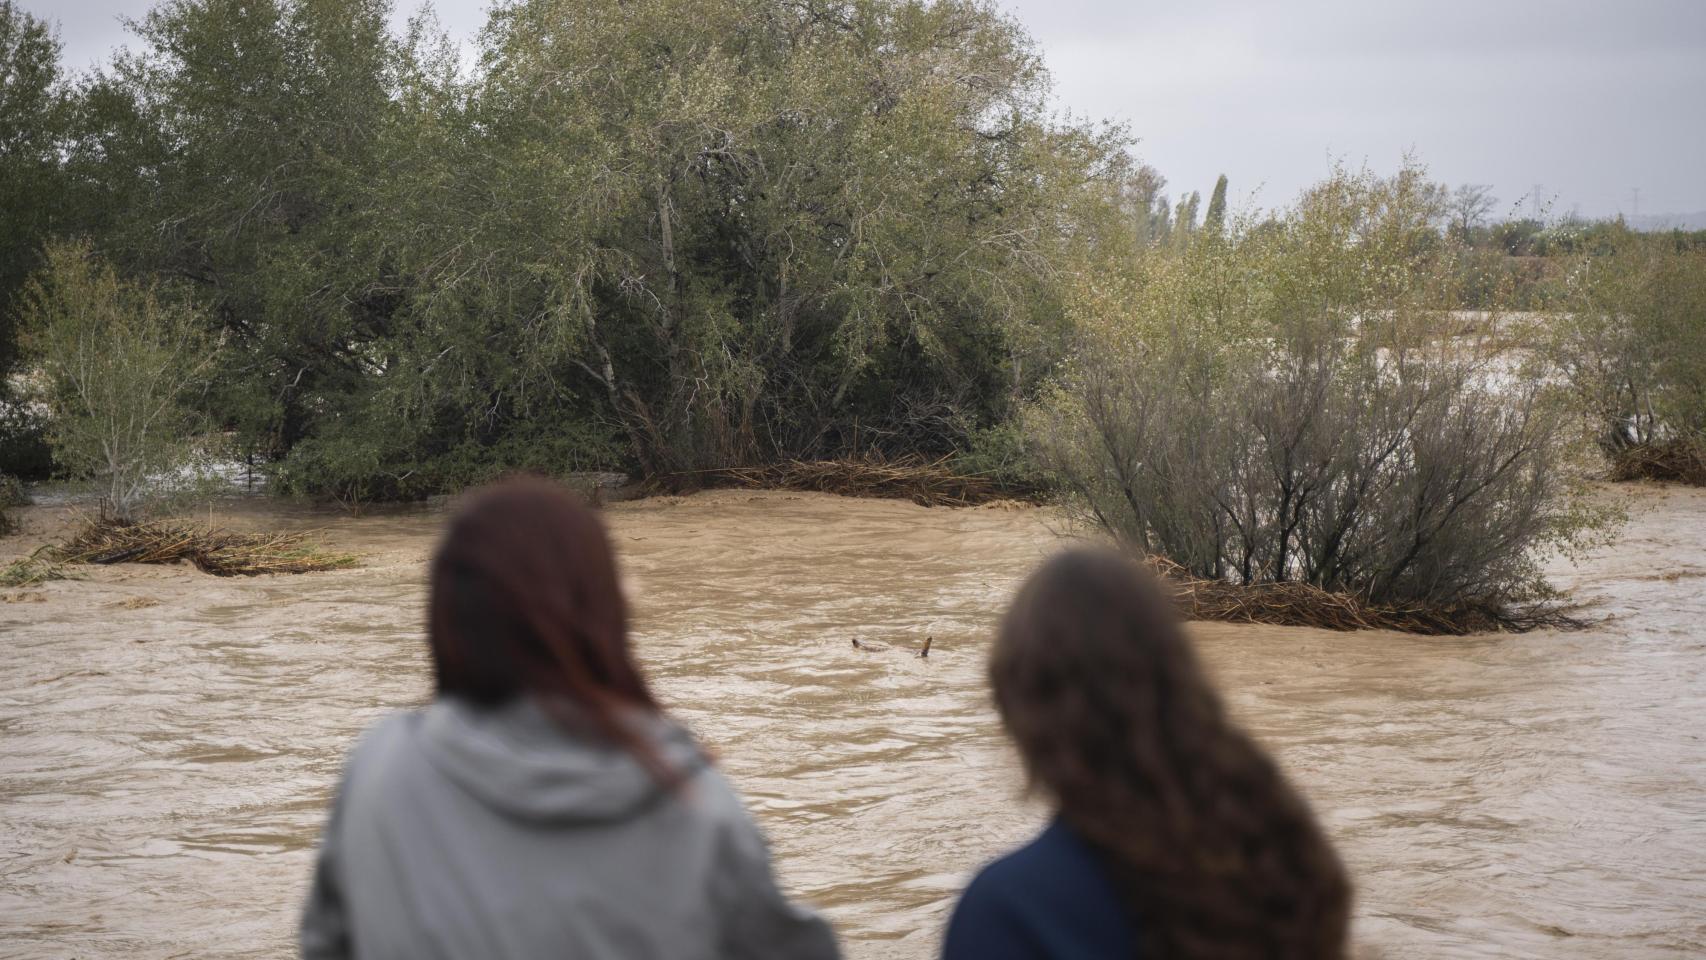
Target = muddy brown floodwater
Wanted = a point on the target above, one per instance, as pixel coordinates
(168, 740)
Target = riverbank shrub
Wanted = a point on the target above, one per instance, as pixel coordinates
(1626, 342)
(1303, 404)
(660, 236)
(12, 494)
(118, 365)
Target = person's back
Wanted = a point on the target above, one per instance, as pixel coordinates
(1052, 897)
(1175, 836)
(518, 816)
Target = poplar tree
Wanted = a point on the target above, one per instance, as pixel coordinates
(1215, 222)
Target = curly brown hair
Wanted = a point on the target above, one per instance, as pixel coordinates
(1116, 721)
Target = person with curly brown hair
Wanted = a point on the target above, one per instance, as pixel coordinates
(1175, 836)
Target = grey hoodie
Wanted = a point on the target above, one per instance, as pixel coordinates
(467, 833)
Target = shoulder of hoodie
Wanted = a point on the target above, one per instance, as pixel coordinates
(380, 738)
(705, 787)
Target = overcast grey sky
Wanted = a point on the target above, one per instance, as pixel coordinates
(1590, 99)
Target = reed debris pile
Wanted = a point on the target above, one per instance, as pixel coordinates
(1294, 604)
(1676, 461)
(929, 483)
(31, 570)
(211, 550)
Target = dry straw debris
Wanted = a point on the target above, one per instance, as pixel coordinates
(930, 483)
(1306, 605)
(1678, 461)
(211, 550)
(36, 568)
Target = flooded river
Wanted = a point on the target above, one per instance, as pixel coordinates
(168, 740)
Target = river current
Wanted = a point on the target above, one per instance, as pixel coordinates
(169, 740)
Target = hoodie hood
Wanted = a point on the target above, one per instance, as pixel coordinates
(521, 762)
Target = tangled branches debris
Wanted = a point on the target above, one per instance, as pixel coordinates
(930, 483)
(31, 570)
(1676, 461)
(214, 551)
(1305, 605)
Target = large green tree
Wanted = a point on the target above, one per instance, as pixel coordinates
(241, 146)
(670, 235)
(33, 115)
(716, 231)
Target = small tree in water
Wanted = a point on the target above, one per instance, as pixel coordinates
(1303, 403)
(116, 364)
(1627, 346)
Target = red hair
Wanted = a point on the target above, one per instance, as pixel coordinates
(525, 602)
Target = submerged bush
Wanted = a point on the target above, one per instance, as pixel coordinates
(1627, 343)
(1303, 404)
(12, 492)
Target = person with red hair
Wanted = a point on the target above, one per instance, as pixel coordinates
(543, 804)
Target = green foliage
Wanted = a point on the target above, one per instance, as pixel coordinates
(664, 234)
(118, 363)
(33, 115)
(1002, 454)
(1304, 403)
(12, 494)
(1628, 342)
(659, 235)
(366, 462)
(24, 450)
(1214, 222)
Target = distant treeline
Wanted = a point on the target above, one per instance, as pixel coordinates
(661, 236)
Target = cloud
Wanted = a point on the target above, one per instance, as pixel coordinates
(1587, 97)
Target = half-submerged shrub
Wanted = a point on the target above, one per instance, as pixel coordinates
(1627, 342)
(1301, 404)
(12, 494)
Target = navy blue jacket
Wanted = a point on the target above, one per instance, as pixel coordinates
(1048, 900)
